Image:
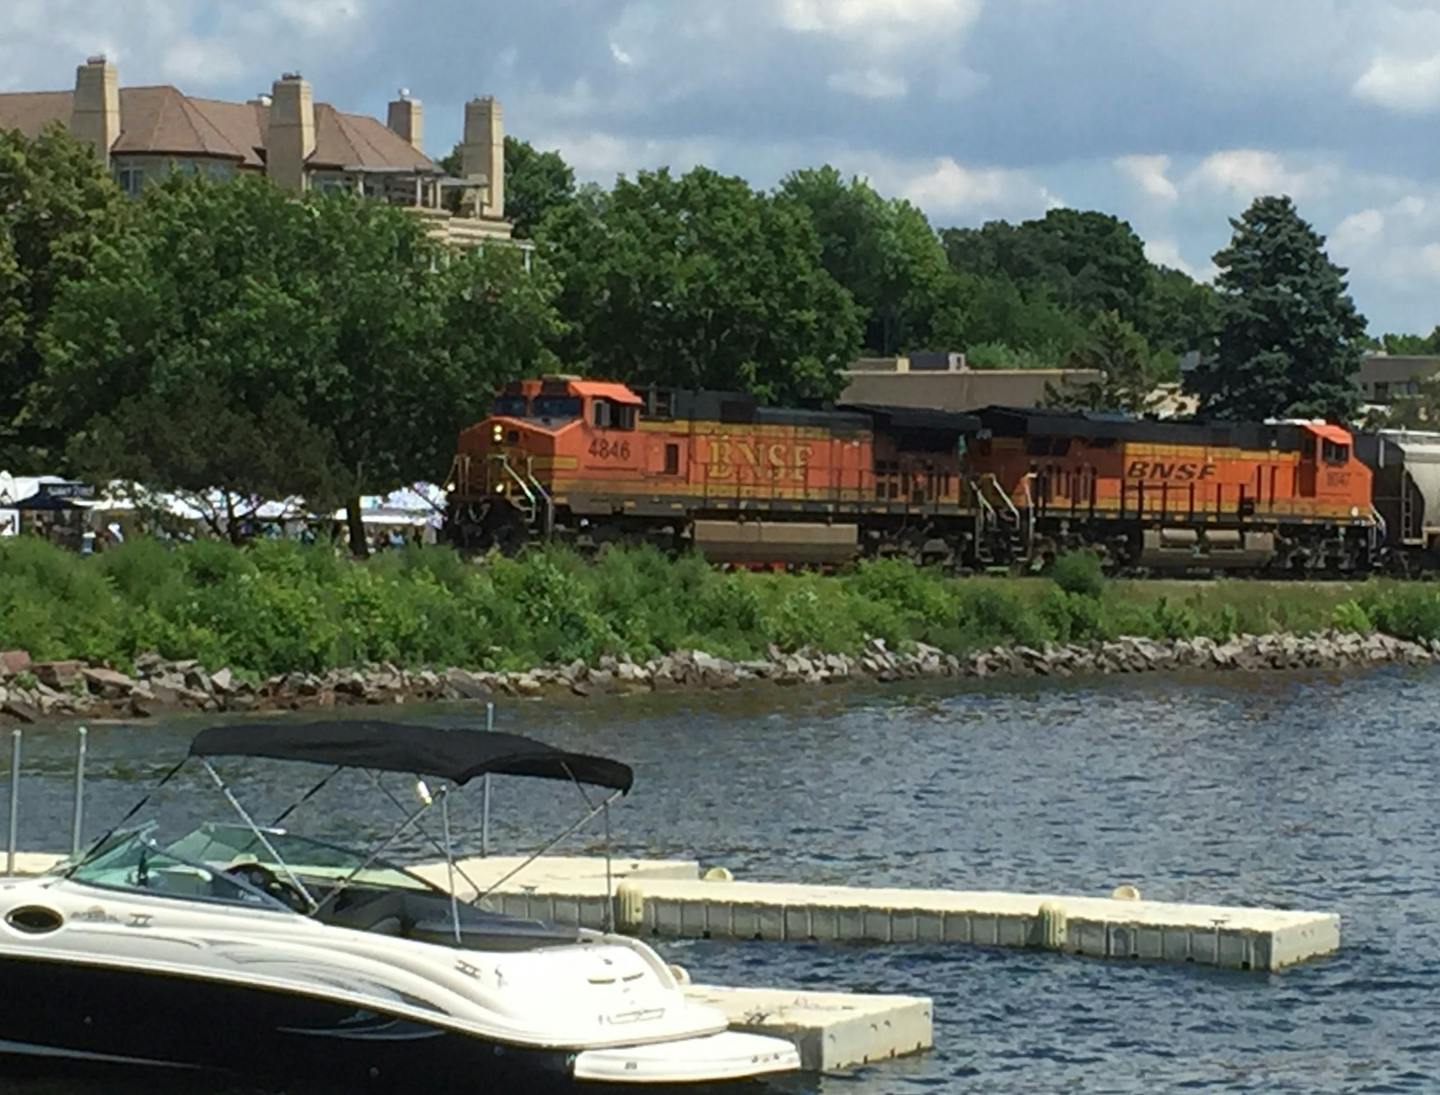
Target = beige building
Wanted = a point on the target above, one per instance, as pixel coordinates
(943, 381)
(1382, 378)
(144, 133)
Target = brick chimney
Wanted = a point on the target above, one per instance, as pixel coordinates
(95, 114)
(407, 118)
(483, 152)
(291, 136)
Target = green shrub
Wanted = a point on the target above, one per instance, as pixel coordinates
(1350, 616)
(1079, 572)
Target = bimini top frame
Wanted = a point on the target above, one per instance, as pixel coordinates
(373, 747)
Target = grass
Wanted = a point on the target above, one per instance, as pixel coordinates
(278, 607)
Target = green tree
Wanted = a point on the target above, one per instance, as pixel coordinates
(1400, 345)
(1122, 357)
(699, 281)
(1290, 339)
(535, 183)
(1178, 313)
(1087, 262)
(889, 258)
(332, 346)
(56, 205)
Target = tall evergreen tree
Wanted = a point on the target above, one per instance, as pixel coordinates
(1122, 357)
(1290, 337)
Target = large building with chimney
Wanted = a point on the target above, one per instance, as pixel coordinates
(144, 133)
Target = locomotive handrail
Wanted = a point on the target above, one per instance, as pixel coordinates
(504, 462)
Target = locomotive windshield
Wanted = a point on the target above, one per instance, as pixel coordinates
(557, 406)
(511, 406)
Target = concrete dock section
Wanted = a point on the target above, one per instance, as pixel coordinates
(670, 907)
(832, 1030)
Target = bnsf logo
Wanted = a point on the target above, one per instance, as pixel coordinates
(1179, 473)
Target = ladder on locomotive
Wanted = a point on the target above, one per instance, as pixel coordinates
(1001, 522)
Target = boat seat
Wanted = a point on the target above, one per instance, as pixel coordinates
(426, 918)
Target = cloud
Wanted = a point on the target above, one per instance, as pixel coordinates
(1409, 85)
(865, 17)
(944, 187)
(1251, 172)
(1166, 252)
(870, 83)
(1149, 174)
(621, 57)
(1358, 231)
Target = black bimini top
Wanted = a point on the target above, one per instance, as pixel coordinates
(456, 755)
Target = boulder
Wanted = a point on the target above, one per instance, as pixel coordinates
(58, 674)
(19, 710)
(465, 684)
(223, 682)
(109, 683)
(13, 661)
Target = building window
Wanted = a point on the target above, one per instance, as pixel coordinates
(1382, 389)
(220, 172)
(672, 459)
(131, 179)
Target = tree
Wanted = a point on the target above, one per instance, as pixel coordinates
(699, 281)
(239, 340)
(1400, 345)
(1178, 314)
(535, 183)
(888, 257)
(1087, 262)
(1121, 355)
(56, 206)
(1290, 339)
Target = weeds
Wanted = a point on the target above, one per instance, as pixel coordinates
(279, 607)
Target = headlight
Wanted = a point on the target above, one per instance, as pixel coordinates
(497, 432)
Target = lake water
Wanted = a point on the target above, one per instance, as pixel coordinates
(1293, 791)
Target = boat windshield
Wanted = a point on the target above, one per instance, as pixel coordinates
(224, 846)
(133, 860)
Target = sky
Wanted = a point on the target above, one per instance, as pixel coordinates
(1172, 114)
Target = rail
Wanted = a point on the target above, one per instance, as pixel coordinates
(12, 836)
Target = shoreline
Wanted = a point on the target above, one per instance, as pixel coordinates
(32, 693)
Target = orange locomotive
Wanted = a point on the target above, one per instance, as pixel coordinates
(591, 462)
(1286, 496)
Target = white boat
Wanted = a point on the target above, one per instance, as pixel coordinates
(247, 949)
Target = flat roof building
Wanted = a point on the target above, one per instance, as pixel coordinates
(945, 382)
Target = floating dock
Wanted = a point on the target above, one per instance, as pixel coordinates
(832, 1030)
(660, 901)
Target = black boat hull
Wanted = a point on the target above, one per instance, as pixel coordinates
(118, 1020)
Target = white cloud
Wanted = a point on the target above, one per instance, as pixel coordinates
(621, 57)
(194, 60)
(1149, 173)
(949, 188)
(602, 156)
(870, 83)
(1358, 232)
(1407, 84)
(1166, 252)
(859, 17)
(1251, 172)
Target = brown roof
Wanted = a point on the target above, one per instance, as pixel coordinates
(164, 121)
